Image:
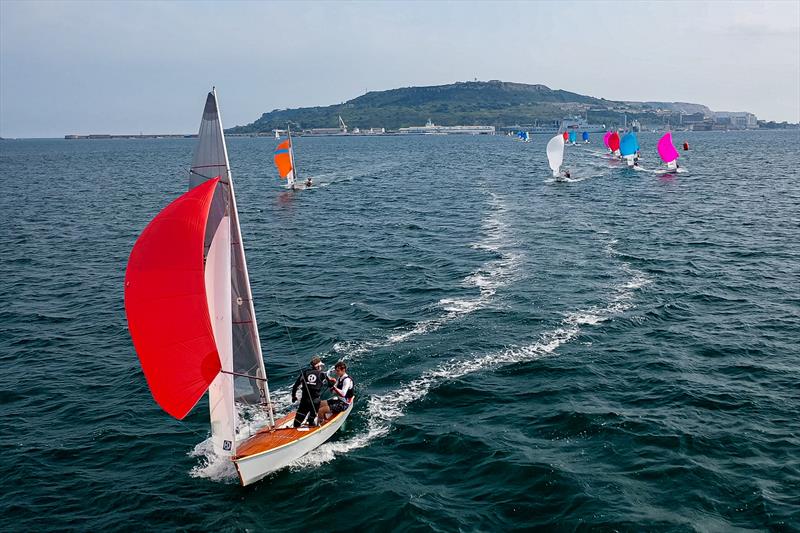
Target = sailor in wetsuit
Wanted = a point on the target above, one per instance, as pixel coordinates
(343, 391)
(309, 383)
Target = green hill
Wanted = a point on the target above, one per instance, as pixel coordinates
(493, 103)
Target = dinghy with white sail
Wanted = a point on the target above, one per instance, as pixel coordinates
(192, 321)
(555, 154)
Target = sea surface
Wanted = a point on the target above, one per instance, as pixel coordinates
(616, 352)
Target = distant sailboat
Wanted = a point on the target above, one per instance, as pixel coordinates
(628, 147)
(606, 137)
(585, 136)
(284, 160)
(524, 136)
(555, 154)
(192, 320)
(277, 134)
(613, 143)
(565, 135)
(667, 152)
(573, 137)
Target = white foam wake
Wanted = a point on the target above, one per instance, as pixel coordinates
(251, 418)
(491, 276)
(383, 410)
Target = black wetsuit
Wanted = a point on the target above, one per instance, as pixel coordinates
(310, 382)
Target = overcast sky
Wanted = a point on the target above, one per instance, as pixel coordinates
(126, 67)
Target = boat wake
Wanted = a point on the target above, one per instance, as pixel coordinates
(251, 418)
(488, 279)
(573, 179)
(212, 466)
(383, 410)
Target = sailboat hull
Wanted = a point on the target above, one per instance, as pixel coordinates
(269, 451)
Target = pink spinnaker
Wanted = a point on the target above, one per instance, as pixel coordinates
(605, 138)
(666, 150)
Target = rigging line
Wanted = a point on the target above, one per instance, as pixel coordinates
(191, 171)
(198, 433)
(243, 375)
(294, 353)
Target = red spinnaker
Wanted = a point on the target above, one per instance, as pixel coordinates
(613, 141)
(165, 300)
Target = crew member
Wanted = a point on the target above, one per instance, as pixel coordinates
(309, 383)
(343, 390)
(308, 183)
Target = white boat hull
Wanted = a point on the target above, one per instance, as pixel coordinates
(254, 467)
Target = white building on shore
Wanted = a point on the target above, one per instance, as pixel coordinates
(738, 120)
(432, 129)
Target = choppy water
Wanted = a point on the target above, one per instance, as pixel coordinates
(620, 351)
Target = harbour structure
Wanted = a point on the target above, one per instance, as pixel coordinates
(579, 124)
(341, 130)
(432, 129)
(551, 127)
(131, 136)
(736, 120)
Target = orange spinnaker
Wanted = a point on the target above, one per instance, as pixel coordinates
(283, 160)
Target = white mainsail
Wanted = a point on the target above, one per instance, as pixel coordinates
(247, 384)
(555, 153)
(218, 294)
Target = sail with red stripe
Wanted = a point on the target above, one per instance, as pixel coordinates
(284, 161)
(166, 304)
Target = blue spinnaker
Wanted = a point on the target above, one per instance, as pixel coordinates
(573, 136)
(585, 135)
(629, 144)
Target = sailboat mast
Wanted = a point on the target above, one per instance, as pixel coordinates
(239, 250)
(291, 152)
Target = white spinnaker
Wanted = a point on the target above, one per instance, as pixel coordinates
(218, 295)
(555, 153)
(211, 160)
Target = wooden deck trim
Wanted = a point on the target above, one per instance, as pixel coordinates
(270, 439)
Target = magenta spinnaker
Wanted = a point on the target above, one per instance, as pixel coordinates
(666, 149)
(605, 139)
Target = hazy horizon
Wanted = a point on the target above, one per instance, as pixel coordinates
(130, 67)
